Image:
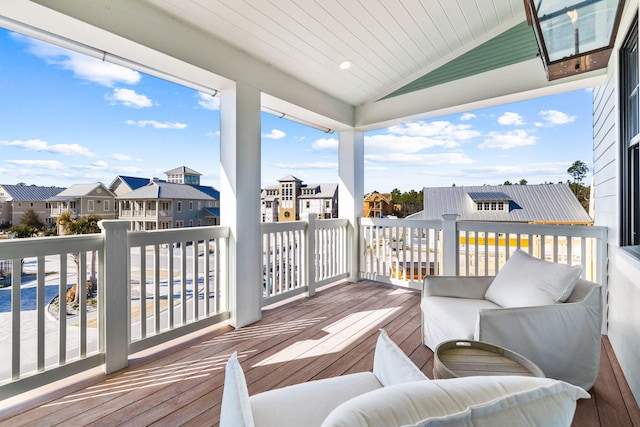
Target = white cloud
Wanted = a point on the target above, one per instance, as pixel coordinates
(555, 117)
(467, 116)
(99, 165)
(507, 140)
(128, 98)
(388, 143)
(420, 159)
(122, 157)
(44, 164)
(43, 146)
(82, 66)
(311, 165)
(275, 134)
(208, 102)
(511, 119)
(325, 144)
(155, 124)
(438, 129)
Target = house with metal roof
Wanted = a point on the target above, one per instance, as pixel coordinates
(183, 175)
(291, 198)
(124, 184)
(15, 200)
(82, 200)
(540, 204)
(162, 205)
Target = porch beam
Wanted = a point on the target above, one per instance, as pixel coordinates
(351, 191)
(240, 199)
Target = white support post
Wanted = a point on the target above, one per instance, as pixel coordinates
(115, 295)
(450, 245)
(240, 199)
(310, 252)
(351, 192)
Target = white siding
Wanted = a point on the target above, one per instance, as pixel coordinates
(623, 312)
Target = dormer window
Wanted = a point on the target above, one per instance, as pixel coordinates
(490, 201)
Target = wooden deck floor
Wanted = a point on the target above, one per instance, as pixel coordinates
(330, 334)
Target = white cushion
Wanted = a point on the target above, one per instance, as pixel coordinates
(390, 364)
(525, 281)
(309, 403)
(477, 401)
(235, 409)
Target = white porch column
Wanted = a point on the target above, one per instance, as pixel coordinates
(351, 190)
(240, 199)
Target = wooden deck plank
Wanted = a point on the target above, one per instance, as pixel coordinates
(330, 334)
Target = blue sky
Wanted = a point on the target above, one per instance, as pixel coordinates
(67, 118)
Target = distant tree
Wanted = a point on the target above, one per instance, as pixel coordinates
(31, 219)
(21, 184)
(86, 225)
(22, 231)
(523, 182)
(578, 170)
(507, 183)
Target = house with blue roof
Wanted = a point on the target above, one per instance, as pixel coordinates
(179, 201)
(15, 200)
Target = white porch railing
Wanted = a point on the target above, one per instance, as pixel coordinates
(300, 256)
(404, 251)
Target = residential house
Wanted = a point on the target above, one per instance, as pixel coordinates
(183, 175)
(538, 204)
(419, 61)
(378, 205)
(291, 198)
(162, 205)
(15, 200)
(125, 184)
(82, 200)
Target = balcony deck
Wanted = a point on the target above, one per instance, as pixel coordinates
(330, 334)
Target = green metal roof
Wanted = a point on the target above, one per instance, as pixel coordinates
(514, 45)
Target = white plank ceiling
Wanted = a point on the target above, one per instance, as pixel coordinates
(389, 42)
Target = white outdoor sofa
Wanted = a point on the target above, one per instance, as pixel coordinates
(396, 393)
(538, 309)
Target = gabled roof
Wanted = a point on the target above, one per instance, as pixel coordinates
(552, 203)
(372, 197)
(30, 193)
(79, 190)
(133, 182)
(166, 190)
(212, 212)
(182, 170)
(290, 178)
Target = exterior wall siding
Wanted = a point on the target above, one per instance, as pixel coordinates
(623, 287)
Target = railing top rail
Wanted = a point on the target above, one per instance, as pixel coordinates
(526, 228)
(414, 223)
(42, 246)
(272, 227)
(138, 238)
(331, 223)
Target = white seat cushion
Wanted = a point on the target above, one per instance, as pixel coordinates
(309, 403)
(451, 318)
(470, 401)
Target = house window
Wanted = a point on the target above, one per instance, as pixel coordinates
(72, 205)
(494, 206)
(308, 204)
(190, 223)
(179, 224)
(480, 206)
(90, 205)
(327, 204)
(190, 206)
(630, 138)
(500, 206)
(105, 206)
(179, 206)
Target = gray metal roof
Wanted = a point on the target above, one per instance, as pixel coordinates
(30, 193)
(183, 170)
(528, 203)
(165, 190)
(78, 190)
(327, 191)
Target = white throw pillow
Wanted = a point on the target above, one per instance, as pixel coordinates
(468, 401)
(235, 408)
(390, 364)
(525, 281)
